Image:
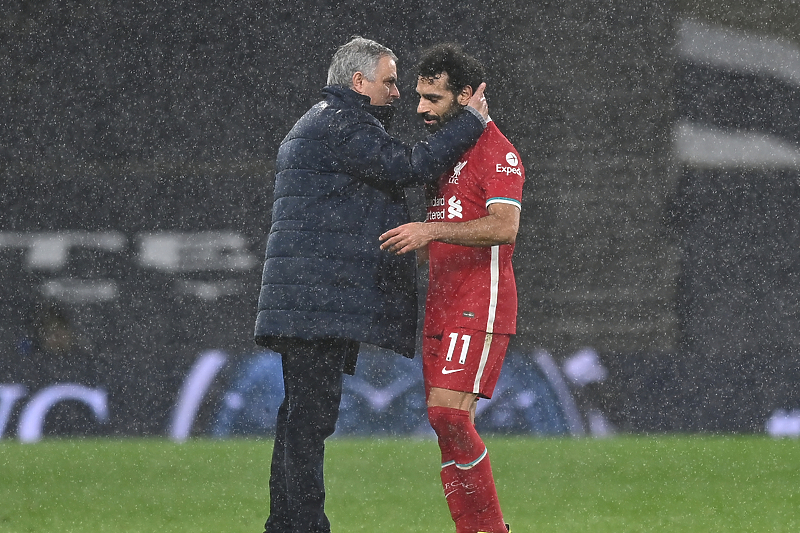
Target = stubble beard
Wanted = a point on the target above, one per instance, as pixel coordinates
(446, 117)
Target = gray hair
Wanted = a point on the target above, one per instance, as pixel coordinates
(358, 55)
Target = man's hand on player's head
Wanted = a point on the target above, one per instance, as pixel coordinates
(478, 101)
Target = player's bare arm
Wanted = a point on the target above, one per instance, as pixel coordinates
(499, 226)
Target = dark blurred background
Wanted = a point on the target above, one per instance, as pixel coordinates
(143, 136)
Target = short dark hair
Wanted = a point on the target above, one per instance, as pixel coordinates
(461, 68)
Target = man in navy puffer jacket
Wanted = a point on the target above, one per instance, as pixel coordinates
(326, 285)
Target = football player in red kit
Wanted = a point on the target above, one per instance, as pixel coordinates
(471, 306)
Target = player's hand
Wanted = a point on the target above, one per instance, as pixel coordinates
(406, 238)
(478, 101)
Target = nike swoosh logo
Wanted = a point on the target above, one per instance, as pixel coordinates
(445, 371)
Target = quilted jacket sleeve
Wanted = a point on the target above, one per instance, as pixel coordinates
(372, 155)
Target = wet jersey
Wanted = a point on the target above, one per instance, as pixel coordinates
(469, 286)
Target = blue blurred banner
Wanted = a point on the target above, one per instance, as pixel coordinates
(386, 397)
(223, 396)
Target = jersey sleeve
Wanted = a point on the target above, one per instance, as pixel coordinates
(504, 177)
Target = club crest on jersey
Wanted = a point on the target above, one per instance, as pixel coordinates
(457, 172)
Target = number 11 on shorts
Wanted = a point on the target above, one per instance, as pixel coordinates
(464, 347)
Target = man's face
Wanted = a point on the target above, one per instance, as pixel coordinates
(437, 104)
(382, 91)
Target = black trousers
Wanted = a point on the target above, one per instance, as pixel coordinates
(312, 378)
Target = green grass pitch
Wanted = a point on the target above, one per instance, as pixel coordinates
(621, 484)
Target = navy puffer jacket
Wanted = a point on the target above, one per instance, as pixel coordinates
(338, 186)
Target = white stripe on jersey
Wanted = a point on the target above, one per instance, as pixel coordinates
(493, 289)
(487, 343)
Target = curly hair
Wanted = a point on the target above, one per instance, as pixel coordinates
(448, 58)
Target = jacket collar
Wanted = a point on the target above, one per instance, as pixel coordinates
(350, 98)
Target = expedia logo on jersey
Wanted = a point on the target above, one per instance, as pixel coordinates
(450, 209)
(513, 161)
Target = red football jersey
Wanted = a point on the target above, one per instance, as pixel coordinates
(474, 287)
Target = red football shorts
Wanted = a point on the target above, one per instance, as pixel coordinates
(464, 360)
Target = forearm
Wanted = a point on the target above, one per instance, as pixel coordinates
(486, 231)
(500, 226)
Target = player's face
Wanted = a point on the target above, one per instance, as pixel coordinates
(437, 103)
(382, 91)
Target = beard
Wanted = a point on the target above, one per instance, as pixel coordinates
(440, 120)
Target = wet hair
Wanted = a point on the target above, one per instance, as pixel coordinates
(448, 58)
(358, 55)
